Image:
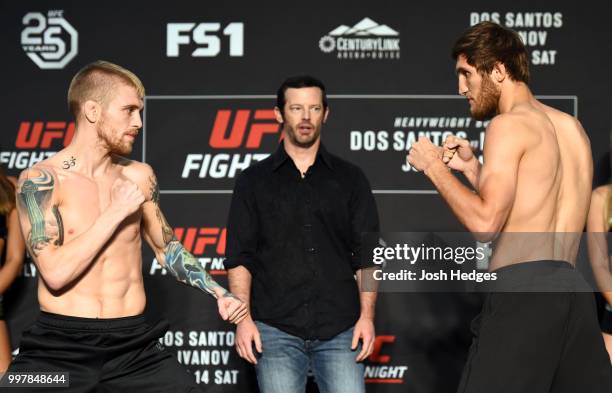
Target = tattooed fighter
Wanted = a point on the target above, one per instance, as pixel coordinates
(82, 213)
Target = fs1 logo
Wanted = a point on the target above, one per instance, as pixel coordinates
(37, 141)
(381, 370)
(200, 242)
(51, 42)
(247, 131)
(206, 36)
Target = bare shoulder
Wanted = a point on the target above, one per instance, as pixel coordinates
(600, 194)
(507, 126)
(41, 173)
(140, 173)
(564, 122)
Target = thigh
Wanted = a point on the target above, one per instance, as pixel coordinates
(42, 351)
(585, 364)
(5, 347)
(517, 343)
(282, 367)
(334, 365)
(150, 368)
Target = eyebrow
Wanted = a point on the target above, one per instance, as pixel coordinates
(459, 70)
(131, 106)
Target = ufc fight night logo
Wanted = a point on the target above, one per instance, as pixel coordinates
(50, 41)
(205, 37)
(233, 129)
(37, 141)
(201, 242)
(380, 368)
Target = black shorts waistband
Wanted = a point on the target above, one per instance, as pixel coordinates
(93, 324)
(541, 265)
(539, 276)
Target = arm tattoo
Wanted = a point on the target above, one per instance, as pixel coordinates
(180, 262)
(34, 197)
(167, 233)
(186, 268)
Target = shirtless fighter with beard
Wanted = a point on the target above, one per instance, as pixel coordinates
(531, 196)
(83, 212)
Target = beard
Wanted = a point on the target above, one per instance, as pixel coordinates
(485, 106)
(113, 140)
(303, 141)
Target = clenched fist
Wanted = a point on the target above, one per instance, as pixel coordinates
(458, 153)
(126, 197)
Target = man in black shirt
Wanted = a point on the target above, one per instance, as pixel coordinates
(293, 250)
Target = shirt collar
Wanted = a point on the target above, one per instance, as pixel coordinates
(280, 156)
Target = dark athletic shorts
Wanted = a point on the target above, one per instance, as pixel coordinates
(102, 355)
(538, 342)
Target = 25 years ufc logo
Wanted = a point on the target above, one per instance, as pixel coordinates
(262, 122)
(206, 36)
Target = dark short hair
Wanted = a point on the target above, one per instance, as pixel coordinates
(487, 43)
(298, 82)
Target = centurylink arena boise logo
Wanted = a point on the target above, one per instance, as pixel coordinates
(366, 40)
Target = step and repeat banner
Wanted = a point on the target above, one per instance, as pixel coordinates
(211, 70)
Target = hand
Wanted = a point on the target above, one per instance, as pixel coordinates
(126, 197)
(458, 153)
(364, 330)
(423, 153)
(246, 333)
(231, 308)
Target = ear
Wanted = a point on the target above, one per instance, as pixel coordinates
(326, 114)
(92, 111)
(499, 73)
(279, 115)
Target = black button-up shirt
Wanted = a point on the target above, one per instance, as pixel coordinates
(300, 238)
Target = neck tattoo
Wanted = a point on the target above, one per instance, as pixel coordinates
(69, 163)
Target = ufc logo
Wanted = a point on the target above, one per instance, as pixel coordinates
(379, 341)
(205, 35)
(261, 122)
(198, 240)
(41, 134)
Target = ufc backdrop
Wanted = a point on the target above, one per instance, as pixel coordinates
(211, 70)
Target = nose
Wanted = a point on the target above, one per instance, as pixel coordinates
(137, 122)
(462, 85)
(306, 114)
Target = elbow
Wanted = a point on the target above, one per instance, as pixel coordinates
(54, 282)
(486, 229)
(55, 279)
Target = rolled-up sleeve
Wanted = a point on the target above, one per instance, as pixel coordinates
(242, 227)
(364, 219)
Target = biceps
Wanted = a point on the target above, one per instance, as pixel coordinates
(42, 223)
(157, 231)
(497, 190)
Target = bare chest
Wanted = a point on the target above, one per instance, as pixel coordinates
(84, 200)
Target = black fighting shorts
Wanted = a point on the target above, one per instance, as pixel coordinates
(102, 355)
(538, 342)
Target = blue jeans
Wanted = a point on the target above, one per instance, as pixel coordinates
(283, 366)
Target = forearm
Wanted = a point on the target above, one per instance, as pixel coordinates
(367, 295)
(8, 273)
(467, 206)
(472, 173)
(188, 269)
(60, 265)
(240, 283)
(598, 255)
